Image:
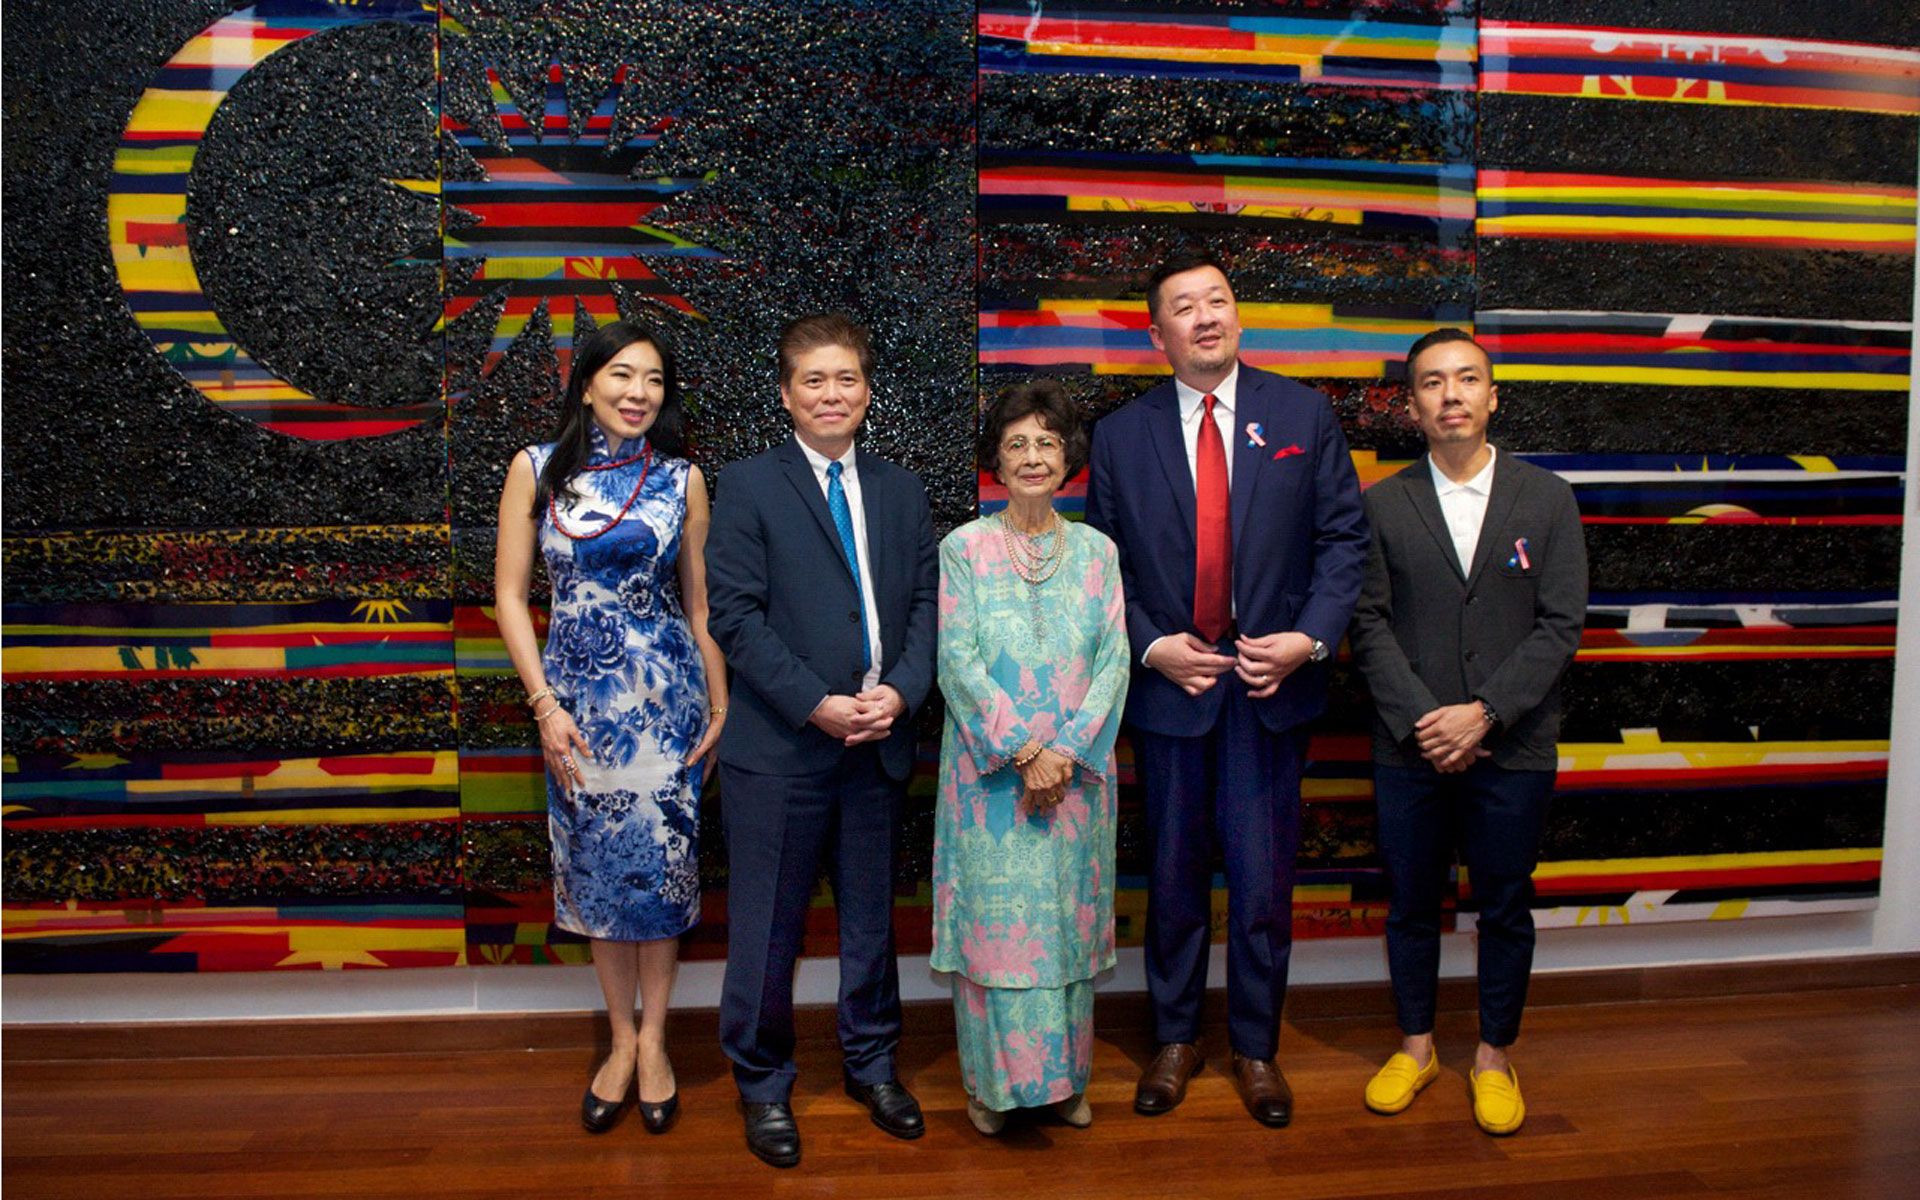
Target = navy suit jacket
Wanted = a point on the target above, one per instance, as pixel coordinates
(1299, 539)
(783, 607)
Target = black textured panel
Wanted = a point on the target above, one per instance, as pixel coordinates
(1695, 141)
(100, 431)
(1628, 277)
(1889, 22)
(1625, 418)
(1743, 558)
(296, 229)
(1743, 820)
(1723, 701)
(1308, 263)
(1200, 116)
(290, 715)
(238, 565)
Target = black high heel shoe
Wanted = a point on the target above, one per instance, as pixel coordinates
(658, 1118)
(599, 1115)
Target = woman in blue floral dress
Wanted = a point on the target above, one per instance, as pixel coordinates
(630, 694)
(1033, 664)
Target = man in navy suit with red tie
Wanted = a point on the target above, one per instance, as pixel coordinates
(1234, 504)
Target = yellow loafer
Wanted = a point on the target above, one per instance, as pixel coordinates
(1497, 1107)
(1395, 1085)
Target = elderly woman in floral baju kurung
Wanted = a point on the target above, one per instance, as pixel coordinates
(1033, 663)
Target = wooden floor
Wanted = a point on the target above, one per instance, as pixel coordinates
(1788, 1095)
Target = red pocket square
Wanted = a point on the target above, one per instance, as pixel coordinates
(1284, 451)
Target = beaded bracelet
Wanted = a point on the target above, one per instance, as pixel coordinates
(1020, 763)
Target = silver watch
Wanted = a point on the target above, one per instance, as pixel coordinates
(1320, 652)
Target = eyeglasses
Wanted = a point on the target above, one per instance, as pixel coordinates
(1045, 444)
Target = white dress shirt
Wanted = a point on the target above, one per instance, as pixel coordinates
(850, 483)
(1464, 505)
(1190, 410)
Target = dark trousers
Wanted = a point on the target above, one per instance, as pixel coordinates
(1243, 783)
(778, 826)
(1494, 816)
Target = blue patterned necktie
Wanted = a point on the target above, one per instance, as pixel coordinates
(843, 523)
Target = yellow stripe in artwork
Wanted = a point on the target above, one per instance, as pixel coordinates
(1649, 752)
(249, 393)
(153, 160)
(515, 266)
(1849, 381)
(146, 206)
(1705, 862)
(1335, 789)
(1814, 462)
(1699, 227)
(1308, 61)
(182, 112)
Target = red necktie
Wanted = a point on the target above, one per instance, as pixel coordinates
(1212, 532)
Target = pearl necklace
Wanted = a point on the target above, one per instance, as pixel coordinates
(1035, 561)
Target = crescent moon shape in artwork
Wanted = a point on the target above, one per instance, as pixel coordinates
(146, 218)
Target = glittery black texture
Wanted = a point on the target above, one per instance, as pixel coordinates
(1695, 141)
(234, 864)
(286, 715)
(1624, 277)
(1647, 824)
(241, 565)
(1184, 116)
(1602, 418)
(1743, 558)
(1789, 699)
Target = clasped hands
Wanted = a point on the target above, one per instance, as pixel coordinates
(1450, 736)
(1044, 776)
(866, 717)
(1262, 663)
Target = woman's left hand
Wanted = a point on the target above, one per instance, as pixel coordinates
(708, 740)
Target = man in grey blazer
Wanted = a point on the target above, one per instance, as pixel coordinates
(1475, 597)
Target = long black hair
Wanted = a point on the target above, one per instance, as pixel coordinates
(572, 439)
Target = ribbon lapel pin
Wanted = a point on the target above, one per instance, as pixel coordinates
(1520, 558)
(1256, 434)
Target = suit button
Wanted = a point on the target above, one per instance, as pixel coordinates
(1471, 600)
(853, 618)
(1470, 656)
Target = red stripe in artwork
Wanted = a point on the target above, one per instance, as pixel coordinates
(1719, 777)
(1748, 519)
(339, 670)
(372, 635)
(1662, 343)
(1083, 32)
(560, 214)
(1781, 635)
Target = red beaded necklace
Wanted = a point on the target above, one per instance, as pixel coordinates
(553, 508)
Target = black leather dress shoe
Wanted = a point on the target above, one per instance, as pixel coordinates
(601, 1115)
(771, 1134)
(658, 1118)
(893, 1107)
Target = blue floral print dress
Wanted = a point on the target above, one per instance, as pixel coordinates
(621, 658)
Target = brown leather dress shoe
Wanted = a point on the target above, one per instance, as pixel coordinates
(1164, 1084)
(1264, 1089)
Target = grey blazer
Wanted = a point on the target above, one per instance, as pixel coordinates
(1425, 636)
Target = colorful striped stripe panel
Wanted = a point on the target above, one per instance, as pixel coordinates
(1696, 68)
(1184, 42)
(1432, 199)
(318, 638)
(1788, 214)
(189, 936)
(1697, 350)
(147, 230)
(1109, 337)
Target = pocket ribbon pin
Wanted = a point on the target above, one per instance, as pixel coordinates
(1256, 434)
(1520, 558)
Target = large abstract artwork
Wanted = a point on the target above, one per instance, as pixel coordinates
(1690, 254)
(288, 283)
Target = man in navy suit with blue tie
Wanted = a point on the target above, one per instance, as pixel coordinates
(1233, 501)
(823, 581)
